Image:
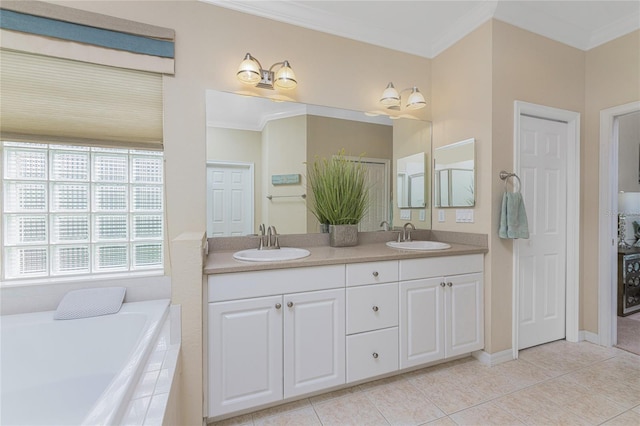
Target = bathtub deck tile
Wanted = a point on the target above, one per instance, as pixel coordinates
(147, 384)
(163, 385)
(156, 359)
(155, 414)
(136, 411)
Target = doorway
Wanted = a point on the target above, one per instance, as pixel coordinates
(229, 199)
(608, 228)
(546, 267)
(378, 182)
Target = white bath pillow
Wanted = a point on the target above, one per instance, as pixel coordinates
(90, 302)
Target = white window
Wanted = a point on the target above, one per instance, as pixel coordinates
(70, 210)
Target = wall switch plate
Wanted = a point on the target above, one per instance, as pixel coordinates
(440, 215)
(422, 216)
(405, 214)
(464, 215)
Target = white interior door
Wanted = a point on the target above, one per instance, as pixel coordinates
(542, 258)
(229, 200)
(378, 184)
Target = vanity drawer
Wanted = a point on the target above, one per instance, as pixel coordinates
(415, 269)
(372, 307)
(372, 272)
(371, 354)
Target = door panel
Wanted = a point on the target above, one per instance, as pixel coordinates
(542, 258)
(465, 328)
(314, 341)
(245, 354)
(229, 200)
(378, 185)
(421, 322)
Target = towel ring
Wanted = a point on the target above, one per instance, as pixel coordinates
(505, 177)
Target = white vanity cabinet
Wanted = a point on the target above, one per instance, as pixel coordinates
(441, 314)
(266, 348)
(372, 319)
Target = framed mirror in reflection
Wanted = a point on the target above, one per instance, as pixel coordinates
(256, 146)
(454, 174)
(411, 177)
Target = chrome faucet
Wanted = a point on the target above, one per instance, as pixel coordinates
(385, 225)
(272, 233)
(261, 246)
(406, 233)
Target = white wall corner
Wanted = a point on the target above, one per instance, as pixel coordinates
(495, 358)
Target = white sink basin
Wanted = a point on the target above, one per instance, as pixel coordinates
(276, 255)
(419, 245)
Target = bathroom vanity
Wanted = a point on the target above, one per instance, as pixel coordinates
(340, 316)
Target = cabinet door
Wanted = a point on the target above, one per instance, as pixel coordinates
(314, 341)
(464, 314)
(421, 322)
(245, 354)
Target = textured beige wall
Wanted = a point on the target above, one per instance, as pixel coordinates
(629, 152)
(612, 79)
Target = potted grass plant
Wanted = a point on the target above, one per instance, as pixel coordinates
(340, 196)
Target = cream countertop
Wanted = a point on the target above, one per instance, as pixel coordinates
(222, 261)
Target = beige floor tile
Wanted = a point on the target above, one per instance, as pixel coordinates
(303, 417)
(280, 409)
(485, 414)
(530, 407)
(637, 409)
(354, 409)
(443, 421)
(628, 418)
(315, 400)
(244, 420)
(402, 404)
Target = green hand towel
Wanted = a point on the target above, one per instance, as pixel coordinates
(513, 217)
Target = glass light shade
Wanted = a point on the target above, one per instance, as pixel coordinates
(249, 71)
(390, 96)
(285, 78)
(416, 100)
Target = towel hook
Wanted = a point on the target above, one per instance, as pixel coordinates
(505, 177)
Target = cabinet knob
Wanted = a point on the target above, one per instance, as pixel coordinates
(375, 273)
(375, 355)
(289, 304)
(278, 306)
(442, 284)
(375, 308)
(450, 284)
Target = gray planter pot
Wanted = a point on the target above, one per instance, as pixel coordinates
(343, 235)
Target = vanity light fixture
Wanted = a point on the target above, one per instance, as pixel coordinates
(391, 98)
(251, 72)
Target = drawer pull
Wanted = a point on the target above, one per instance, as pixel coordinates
(449, 283)
(375, 274)
(290, 304)
(375, 308)
(278, 306)
(442, 284)
(375, 355)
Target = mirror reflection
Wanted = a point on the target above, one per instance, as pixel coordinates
(410, 177)
(257, 151)
(454, 173)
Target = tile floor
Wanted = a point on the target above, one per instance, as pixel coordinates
(559, 383)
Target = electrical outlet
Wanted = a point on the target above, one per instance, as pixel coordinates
(405, 214)
(440, 215)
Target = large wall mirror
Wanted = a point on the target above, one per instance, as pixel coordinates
(257, 151)
(454, 174)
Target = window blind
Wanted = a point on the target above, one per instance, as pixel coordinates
(47, 99)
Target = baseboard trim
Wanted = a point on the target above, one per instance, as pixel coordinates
(493, 359)
(589, 337)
